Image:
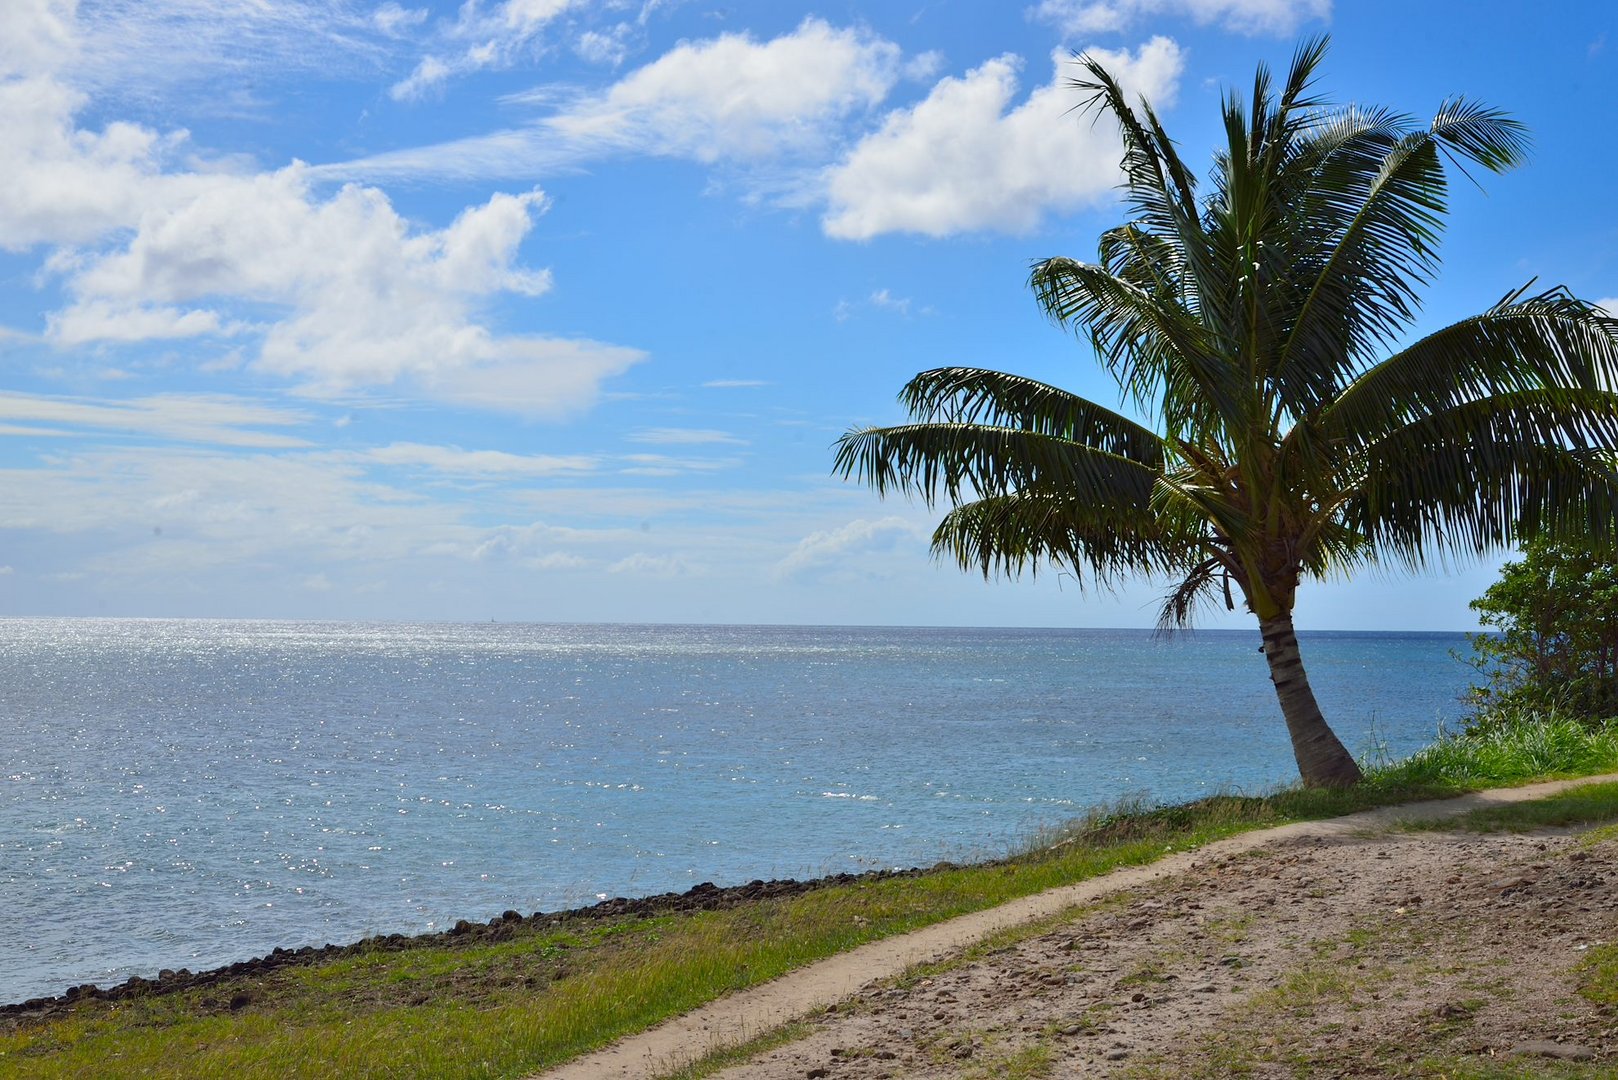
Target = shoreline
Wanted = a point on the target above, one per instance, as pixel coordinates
(705, 896)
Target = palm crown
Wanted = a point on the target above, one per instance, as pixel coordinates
(1260, 325)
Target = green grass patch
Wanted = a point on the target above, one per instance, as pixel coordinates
(547, 994)
(1591, 804)
(1599, 975)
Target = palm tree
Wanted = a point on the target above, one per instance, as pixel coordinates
(1296, 434)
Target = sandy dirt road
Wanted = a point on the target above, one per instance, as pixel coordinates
(1336, 948)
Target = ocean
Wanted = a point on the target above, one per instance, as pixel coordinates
(188, 793)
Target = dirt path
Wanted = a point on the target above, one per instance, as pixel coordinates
(1318, 949)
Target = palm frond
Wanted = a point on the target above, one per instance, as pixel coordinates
(958, 461)
(1548, 341)
(965, 395)
(1153, 347)
(1487, 473)
(1375, 199)
(1099, 544)
(1207, 583)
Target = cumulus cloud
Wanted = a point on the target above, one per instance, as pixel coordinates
(966, 158)
(836, 546)
(729, 98)
(363, 298)
(732, 96)
(1278, 17)
(65, 185)
(334, 290)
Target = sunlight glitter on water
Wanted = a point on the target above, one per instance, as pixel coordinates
(262, 784)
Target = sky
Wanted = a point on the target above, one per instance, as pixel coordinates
(552, 310)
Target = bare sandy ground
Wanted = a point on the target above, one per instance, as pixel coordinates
(1339, 948)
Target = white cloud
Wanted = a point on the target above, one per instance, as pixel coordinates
(883, 298)
(455, 461)
(729, 98)
(336, 291)
(97, 320)
(966, 158)
(662, 566)
(393, 20)
(837, 546)
(360, 297)
(684, 436)
(604, 47)
(66, 185)
(1609, 305)
(430, 73)
(734, 97)
(151, 48)
(369, 298)
(205, 418)
(480, 38)
(1278, 17)
(734, 384)
(666, 465)
(36, 36)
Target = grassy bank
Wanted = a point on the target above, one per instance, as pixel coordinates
(548, 992)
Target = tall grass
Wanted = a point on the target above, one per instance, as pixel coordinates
(1506, 747)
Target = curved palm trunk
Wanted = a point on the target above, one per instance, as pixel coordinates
(1322, 759)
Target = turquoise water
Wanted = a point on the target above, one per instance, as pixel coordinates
(190, 793)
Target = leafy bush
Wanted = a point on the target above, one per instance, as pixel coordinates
(1555, 614)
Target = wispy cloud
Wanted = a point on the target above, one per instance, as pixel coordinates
(454, 461)
(668, 465)
(685, 436)
(149, 48)
(199, 418)
(1280, 18)
(734, 384)
(482, 37)
(834, 547)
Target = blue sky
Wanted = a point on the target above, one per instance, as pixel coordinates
(551, 310)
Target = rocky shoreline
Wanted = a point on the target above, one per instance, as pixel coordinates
(704, 897)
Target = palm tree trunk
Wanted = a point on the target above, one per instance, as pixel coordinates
(1322, 759)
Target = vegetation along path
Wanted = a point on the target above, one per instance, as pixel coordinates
(1408, 940)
